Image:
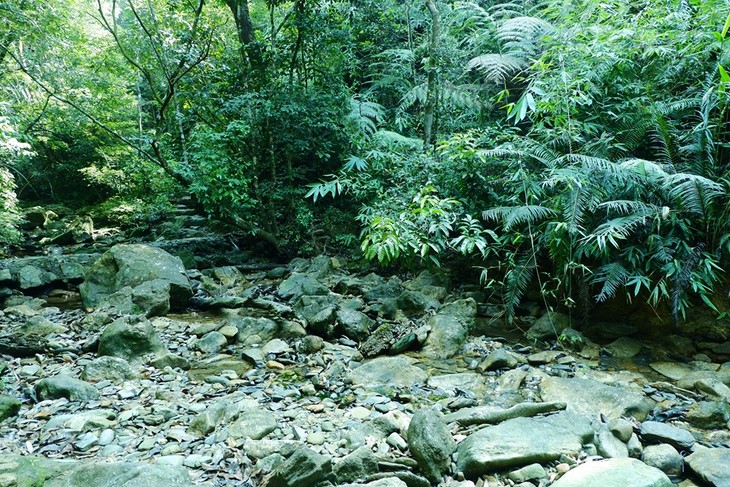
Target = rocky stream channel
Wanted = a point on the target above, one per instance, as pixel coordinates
(123, 367)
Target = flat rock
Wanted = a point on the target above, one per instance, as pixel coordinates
(62, 386)
(522, 441)
(655, 432)
(591, 398)
(388, 371)
(626, 472)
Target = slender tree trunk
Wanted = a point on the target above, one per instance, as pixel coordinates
(250, 51)
(431, 82)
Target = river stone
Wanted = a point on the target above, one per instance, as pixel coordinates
(386, 482)
(388, 371)
(609, 446)
(304, 468)
(357, 465)
(450, 328)
(254, 331)
(498, 359)
(521, 441)
(9, 407)
(624, 347)
(212, 342)
(298, 285)
(708, 414)
(591, 398)
(431, 443)
(626, 472)
(152, 298)
(122, 475)
(65, 386)
(413, 302)
(254, 424)
(114, 369)
(548, 326)
(656, 432)
(355, 324)
(217, 413)
(712, 465)
(131, 265)
(664, 457)
(129, 339)
(463, 381)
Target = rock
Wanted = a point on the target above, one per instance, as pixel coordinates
(9, 407)
(450, 328)
(170, 360)
(711, 464)
(653, 431)
(431, 443)
(664, 457)
(621, 429)
(304, 468)
(522, 441)
(211, 343)
(591, 398)
(41, 326)
(152, 298)
(354, 324)
(132, 265)
(122, 475)
(454, 383)
(311, 344)
(609, 446)
(114, 369)
(626, 472)
(42, 271)
(254, 424)
(548, 327)
(130, 339)
(498, 359)
(298, 285)
(415, 303)
(254, 331)
(714, 389)
(318, 312)
(624, 347)
(216, 414)
(389, 372)
(385, 482)
(68, 387)
(534, 471)
(357, 465)
(708, 414)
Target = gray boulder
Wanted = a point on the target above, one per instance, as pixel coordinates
(356, 466)
(522, 441)
(431, 443)
(548, 327)
(41, 271)
(298, 285)
(450, 328)
(591, 398)
(254, 424)
(132, 265)
(122, 475)
(304, 468)
(354, 324)
(656, 432)
(712, 465)
(626, 472)
(129, 339)
(388, 372)
(62, 386)
(114, 369)
(664, 457)
(252, 331)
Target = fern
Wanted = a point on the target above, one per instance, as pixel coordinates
(692, 192)
(366, 115)
(610, 277)
(516, 215)
(520, 35)
(517, 281)
(497, 68)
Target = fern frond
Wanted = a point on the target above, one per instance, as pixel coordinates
(520, 35)
(611, 231)
(629, 207)
(611, 277)
(366, 115)
(692, 192)
(394, 139)
(510, 216)
(647, 169)
(497, 68)
(529, 150)
(416, 94)
(516, 282)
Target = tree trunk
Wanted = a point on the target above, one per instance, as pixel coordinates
(431, 82)
(250, 51)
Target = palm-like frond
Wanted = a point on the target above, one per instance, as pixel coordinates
(629, 207)
(511, 216)
(611, 277)
(692, 192)
(520, 35)
(366, 115)
(516, 282)
(497, 68)
(615, 229)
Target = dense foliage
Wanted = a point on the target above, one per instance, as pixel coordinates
(579, 145)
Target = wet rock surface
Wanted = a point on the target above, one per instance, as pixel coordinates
(278, 376)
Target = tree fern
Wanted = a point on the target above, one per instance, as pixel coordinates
(520, 36)
(497, 68)
(517, 281)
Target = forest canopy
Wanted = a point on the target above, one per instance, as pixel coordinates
(578, 146)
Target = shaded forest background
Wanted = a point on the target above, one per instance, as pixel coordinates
(579, 147)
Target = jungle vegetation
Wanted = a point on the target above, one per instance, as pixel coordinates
(581, 145)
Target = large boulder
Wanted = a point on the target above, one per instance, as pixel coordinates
(129, 339)
(388, 372)
(132, 265)
(431, 443)
(626, 472)
(522, 441)
(591, 398)
(122, 475)
(66, 387)
(41, 271)
(712, 465)
(450, 328)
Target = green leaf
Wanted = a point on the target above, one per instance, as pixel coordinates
(726, 27)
